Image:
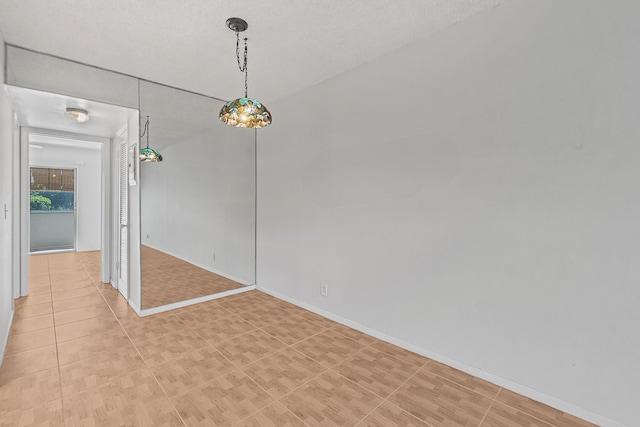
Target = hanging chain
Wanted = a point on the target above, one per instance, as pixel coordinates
(243, 66)
(146, 131)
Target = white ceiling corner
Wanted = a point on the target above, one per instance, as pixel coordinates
(292, 44)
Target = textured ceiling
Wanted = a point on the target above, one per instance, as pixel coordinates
(292, 44)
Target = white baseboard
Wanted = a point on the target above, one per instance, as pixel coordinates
(5, 338)
(204, 267)
(135, 307)
(502, 382)
(192, 301)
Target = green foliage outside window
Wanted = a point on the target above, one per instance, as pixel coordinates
(51, 201)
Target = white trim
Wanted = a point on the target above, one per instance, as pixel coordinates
(192, 301)
(204, 267)
(5, 339)
(25, 165)
(105, 211)
(502, 382)
(23, 172)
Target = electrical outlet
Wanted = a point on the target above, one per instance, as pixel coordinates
(324, 289)
(148, 236)
(213, 255)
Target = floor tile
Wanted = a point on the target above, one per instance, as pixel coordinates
(293, 330)
(134, 399)
(68, 285)
(224, 401)
(539, 410)
(30, 324)
(190, 370)
(322, 373)
(283, 372)
(47, 415)
(501, 415)
(34, 299)
(240, 303)
(32, 310)
(274, 415)
(224, 328)
(473, 383)
(357, 336)
(29, 362)
(249, 347)
(202, 316)
(75, 330)
(376, 371)
(264, 316)
(316, 318)
(163, 348)
(76, 293)
(36, 290)
(143, 328)
(78, 302)
(438, 401)
(76, 377)
(328, 348)
(29, 391)
(388, 414)
(84, 313)
(330, 399)
(30, 340)
(93, 345)
(400, 353)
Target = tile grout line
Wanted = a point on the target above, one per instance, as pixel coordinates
(55, 335)
(134, 346)
(386, 399)
(490, 406)
(291, 346)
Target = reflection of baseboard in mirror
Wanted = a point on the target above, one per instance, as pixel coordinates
(167, 279)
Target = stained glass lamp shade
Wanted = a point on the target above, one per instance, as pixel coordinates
(245, 113)
(150, 155)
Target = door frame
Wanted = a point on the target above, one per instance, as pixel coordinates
(121, 139)
(25, 179)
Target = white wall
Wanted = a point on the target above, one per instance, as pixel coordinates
(86, 159)
(475, 196)
(6, 198)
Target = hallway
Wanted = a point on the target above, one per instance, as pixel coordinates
(78, 355)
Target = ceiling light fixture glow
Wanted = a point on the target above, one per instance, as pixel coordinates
(243, 112)
(149, 155)
(77, 115)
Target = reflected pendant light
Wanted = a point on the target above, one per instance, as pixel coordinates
(77, 115)
(243, 112)
(149, 154)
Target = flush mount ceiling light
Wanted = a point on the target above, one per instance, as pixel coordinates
(77, 115)
(243, 112)
(149, 155)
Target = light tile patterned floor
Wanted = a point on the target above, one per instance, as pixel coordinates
(78, 356)
(167, 279)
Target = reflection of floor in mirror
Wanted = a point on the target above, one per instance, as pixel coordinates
(77, 354)
(167, 279)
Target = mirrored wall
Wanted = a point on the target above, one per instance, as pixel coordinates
(198, 204)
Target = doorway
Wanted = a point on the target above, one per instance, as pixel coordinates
(52, 209)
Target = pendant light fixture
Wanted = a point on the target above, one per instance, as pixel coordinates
(149, 154)
(243, 112)
(77, 115)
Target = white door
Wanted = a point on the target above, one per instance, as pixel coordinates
(123, 243)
